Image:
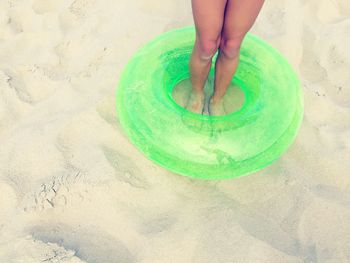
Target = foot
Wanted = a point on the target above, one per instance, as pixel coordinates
(195, 102)
(216, 107)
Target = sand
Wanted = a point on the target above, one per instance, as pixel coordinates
(73, 189)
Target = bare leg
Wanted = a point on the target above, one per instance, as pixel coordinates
(208, 18)
(240, 16)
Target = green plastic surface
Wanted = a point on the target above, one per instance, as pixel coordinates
(202, 146)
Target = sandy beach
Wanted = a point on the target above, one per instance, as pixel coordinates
(74, 189)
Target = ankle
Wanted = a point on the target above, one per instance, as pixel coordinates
(198, 91)
(215, 99)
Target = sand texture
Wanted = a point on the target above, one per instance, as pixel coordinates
(73, 189)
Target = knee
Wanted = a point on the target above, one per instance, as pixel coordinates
(208, 48)
(230, 47)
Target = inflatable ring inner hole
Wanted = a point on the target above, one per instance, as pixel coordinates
(243, 94)
(233, 100)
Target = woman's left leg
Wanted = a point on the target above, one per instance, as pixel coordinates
(240, 16)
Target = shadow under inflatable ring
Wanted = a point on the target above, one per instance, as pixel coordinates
(201, 146)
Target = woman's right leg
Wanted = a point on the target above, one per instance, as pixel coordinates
(240, 16)
(208, 17)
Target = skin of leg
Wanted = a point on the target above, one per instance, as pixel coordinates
(208, 18)
(240, 16)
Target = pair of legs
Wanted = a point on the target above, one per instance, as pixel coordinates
(221, 25)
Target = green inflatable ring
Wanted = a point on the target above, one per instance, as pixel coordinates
(202, 146)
